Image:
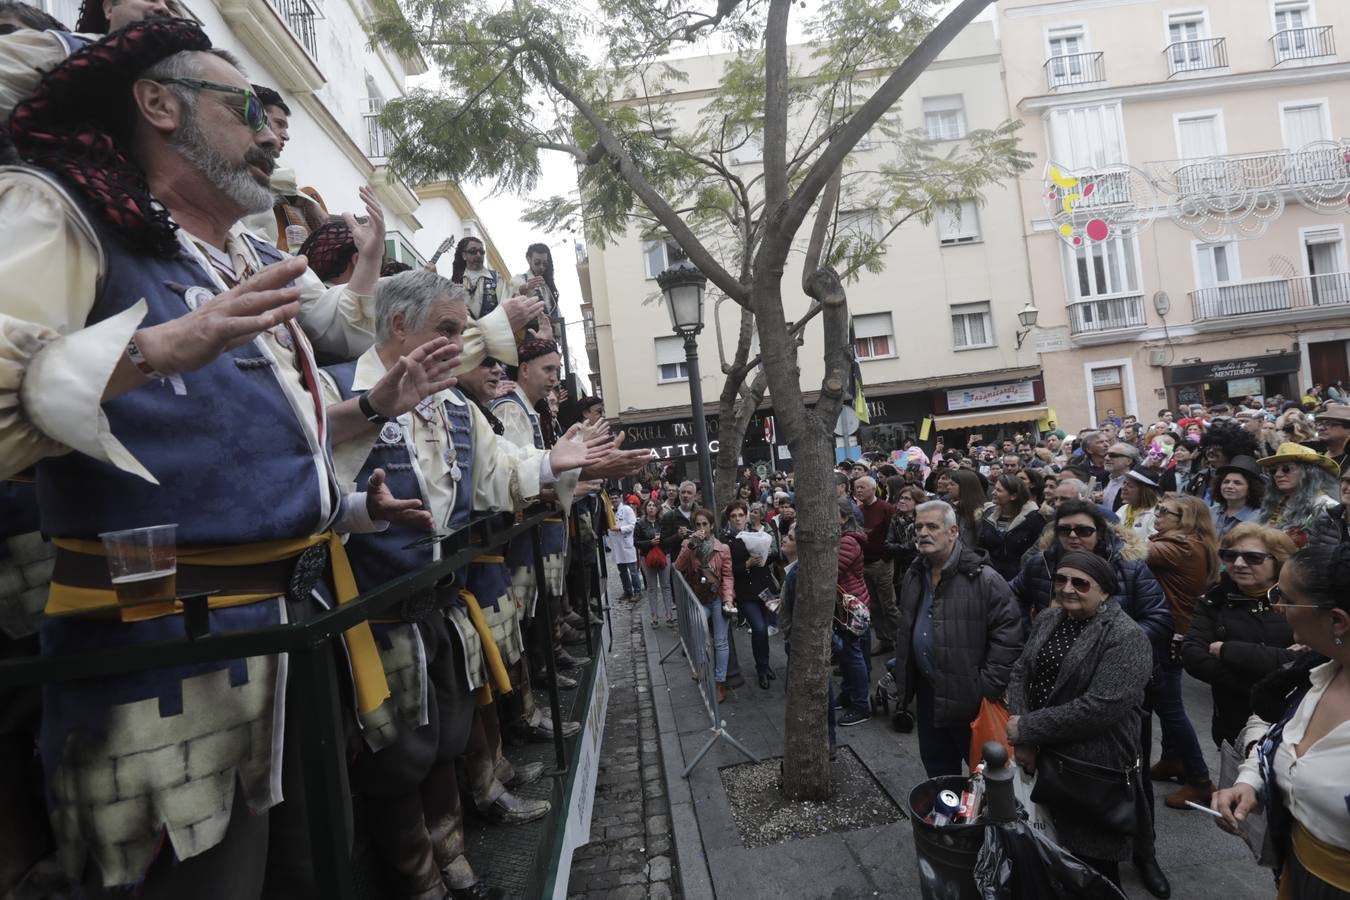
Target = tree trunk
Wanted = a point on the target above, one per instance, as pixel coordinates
(731, 431)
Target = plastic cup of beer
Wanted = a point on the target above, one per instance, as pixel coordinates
(143, 563)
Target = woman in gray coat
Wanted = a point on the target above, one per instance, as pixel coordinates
(1076, 691)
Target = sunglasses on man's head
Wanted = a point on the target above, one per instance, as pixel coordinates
(1117, 456)
(1081, 585)
(253, 113)
(1078, 530)
(1250, 557)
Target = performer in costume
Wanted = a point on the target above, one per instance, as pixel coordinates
(538, 281)
(470, 269)
(141, 403)
(445, 452)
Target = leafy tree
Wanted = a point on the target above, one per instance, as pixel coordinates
(517, 81)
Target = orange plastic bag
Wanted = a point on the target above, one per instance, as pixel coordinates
(989, 724)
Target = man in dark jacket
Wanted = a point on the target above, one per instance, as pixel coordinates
(958, 639)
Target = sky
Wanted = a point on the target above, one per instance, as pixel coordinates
(501, 214)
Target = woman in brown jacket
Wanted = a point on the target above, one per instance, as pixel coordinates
(1183, 554)
(705, 563)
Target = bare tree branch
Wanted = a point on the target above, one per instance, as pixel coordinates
(824, 213)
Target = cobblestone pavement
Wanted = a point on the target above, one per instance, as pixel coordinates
(630, 856)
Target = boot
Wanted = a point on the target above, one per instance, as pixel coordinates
(721, 692)
(1154, 880)
(401, 838)
(1167, 770)
(1196, 793)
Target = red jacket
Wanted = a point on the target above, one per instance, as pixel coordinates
(720, 563)
(851, 579)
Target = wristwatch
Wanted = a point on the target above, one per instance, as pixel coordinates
(369, 411)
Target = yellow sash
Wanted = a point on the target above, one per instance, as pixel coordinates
(489, 558)
(367, 672)
(1322, 860)
(492, 657)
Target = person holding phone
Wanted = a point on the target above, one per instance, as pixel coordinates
(705, 563)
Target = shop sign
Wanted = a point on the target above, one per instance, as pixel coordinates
(1230, 369)
(991, 395)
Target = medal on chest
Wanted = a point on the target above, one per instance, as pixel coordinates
(391, 433)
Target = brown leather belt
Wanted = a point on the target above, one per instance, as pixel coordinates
(83, 570)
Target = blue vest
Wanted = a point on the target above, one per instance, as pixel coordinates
(379, 557)
(232, 460)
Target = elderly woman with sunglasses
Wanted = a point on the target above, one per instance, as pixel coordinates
(1183, 555)
(1075, 695)
(1236, 637)
(1303, 490)
(1298, 769)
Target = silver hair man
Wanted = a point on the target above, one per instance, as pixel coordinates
(410, 294)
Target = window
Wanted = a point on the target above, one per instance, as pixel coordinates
(670, 360)
(1066, 46)
(1085, 138)
(972, 326)
(873, 337)
(658, 255)
(1199, 136)
(1185, 34)
(1324, 256)
(1101, 269)
(1291, 17)
(859, 223)
(1216, 264)
(944, 117)
(67, 12)
(1304, 122)
(958, 223)
(746, 142)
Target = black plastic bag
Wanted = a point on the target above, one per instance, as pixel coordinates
(1017, 863)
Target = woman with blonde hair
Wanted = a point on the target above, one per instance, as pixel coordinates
(1183, 556)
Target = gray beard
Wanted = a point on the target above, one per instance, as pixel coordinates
(234, 180)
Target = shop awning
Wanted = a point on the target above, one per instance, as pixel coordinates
(991, 417)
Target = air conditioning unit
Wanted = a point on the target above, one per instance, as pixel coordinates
(372, 106)
(1157, 358)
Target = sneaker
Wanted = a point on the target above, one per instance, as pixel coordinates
(853, 717)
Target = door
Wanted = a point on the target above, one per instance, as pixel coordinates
(1066, 63)
(1184, 35)
(1291, 42)
(1199, 139)
(1329, 362)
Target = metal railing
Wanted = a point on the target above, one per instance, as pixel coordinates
(1303, 43)
(1266, 295)
(1196, 56)
(1106, 314)
(301, 18)
(1319, 163)
(1073, 69)
(308, 644)
(378, 139)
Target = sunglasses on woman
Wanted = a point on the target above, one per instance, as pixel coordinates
(1286, 468)
(1250, 557)
(1081, 585)
(1276, 597)
(1081, 531)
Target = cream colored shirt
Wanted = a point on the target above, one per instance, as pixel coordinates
(518, 428)
(1314, 785)
(503, 473)
(25, 56)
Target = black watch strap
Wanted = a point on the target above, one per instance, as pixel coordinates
(369, 411)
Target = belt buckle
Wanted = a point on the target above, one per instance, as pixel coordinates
(309, 568)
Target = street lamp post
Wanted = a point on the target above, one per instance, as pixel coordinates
(683, 285)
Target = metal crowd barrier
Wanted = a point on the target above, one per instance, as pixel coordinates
(311, 666)
(697, 643)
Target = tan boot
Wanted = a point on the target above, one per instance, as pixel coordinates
(721, 692)
(1167, 770)
(1196, 793)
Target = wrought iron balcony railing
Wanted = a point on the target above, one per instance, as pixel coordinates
(1111, 313)
(302, 19)
(1266, 295)
(1074, 69)
(1303, 43)
(1196, 56)
(378, 139)
(1325, 162)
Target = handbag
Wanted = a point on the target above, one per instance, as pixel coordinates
(656, 559)
(1080, 791)
(989, 724)
(851, 615)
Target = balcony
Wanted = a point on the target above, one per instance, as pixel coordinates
(1303, 43)
(1271, 295)
(1074, 69)
(1196, 56)
(301, 18)
(378, 139)
(1103, 314)
(1323, 163)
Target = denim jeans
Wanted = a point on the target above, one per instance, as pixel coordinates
(1163, 696)
(942, 750)
(628, 574)
(758, 616)
(718, 625)
(658, 593)
(855, 666)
